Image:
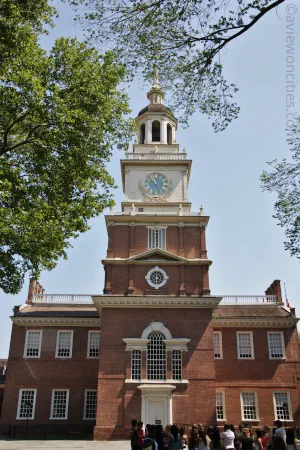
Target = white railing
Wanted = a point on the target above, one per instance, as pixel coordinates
(248, 299)
(62, 298)
(156, 156)
(226, 300)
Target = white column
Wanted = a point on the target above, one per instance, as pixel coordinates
(143, 412)
(170, 412)
(163, 131)
(148, 132)
(173, 135)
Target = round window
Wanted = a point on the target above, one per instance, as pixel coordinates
(156, 277)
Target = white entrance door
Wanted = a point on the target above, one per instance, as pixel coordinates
(156, 411)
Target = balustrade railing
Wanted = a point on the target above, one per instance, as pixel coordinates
(62, 298)
(226, 300)
(156, 156)
(248, 299)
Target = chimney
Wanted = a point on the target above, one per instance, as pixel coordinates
(35, 288)
(16, 310)
(275, 289)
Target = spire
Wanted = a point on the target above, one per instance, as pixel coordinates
(155, 74)
(156, 94)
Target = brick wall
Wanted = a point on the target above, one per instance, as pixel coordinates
(118, 403)
(122, 238)
(47, 373)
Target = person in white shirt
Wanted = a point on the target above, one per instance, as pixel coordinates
(228, 437)
(280, 431)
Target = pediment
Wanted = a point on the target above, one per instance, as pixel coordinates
(157, 254)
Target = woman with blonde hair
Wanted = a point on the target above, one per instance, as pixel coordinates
(246, 441)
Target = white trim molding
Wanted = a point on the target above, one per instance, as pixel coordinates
(34, 390)
(160, 271)
(250, 333)
(256, 406)
(177, 344)
(158, 327)
(89, 347)
(255, 322)
(222, 392)
(154, 301)
(40, 332)
(71, 333)
(52, 404)
(282, 391)
(282, 345)
(55, 322)
(218, 333)
(85, 405)
(159, 391)
(136, 344)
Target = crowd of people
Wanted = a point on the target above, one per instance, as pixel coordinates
(197, 437)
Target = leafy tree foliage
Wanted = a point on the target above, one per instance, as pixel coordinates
(61, 114)
(285, 181)
(187, 37)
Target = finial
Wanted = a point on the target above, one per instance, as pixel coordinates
(184, 149)
(180, 213)
(112, 211)
(201, 210)
(155, 72)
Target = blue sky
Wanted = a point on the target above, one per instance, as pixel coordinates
(243, 240)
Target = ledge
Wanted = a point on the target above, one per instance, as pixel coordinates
(156, 382)
(155, 301)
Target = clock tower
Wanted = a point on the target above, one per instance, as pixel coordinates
(155, 174)
(156, 309)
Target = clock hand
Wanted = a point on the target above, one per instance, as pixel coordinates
(153, 179)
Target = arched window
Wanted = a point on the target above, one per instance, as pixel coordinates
(156, 131)
(156, 357)
(169, 134)
(142, 133)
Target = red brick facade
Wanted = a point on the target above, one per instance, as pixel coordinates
(180, 381)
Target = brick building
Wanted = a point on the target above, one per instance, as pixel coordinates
(157, 345)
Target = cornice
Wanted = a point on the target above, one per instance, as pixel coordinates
(255, 322)
(56, 321)
(149, 219)
(196, 261)
(154, 301)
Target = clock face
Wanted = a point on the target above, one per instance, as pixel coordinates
(156, 184)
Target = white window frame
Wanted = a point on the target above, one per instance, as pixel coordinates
(52, 404)
(282, 345)
(164, 274)
(281, 391)
(156, 368)
(26, 343)
(71, 345)
(88, 344)
(19, 404)
(221, 344)
(140, 364)
(256, 406)
(251, 343)
(155, 229)
(85, 402)
(173, 365)
(221, 391)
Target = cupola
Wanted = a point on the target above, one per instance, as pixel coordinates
(156, 123)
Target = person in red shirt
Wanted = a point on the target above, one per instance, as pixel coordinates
(140, 433)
